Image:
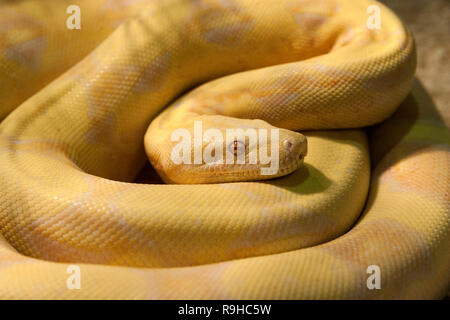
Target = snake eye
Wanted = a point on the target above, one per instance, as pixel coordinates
(236, 147)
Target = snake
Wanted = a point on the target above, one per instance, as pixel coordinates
(87, 179)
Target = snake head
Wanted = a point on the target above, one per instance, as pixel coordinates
(215, 149)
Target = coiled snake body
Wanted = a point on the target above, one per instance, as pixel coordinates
(69, 153)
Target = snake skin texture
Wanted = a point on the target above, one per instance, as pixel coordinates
(77, 104)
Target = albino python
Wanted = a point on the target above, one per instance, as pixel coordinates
(77, 105)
